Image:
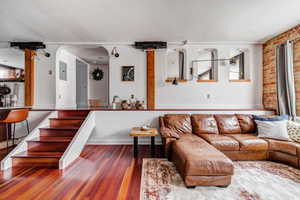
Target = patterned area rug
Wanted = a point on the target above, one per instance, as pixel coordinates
(258, 180)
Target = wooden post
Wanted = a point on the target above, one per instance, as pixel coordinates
(150, 79)
(29, 77)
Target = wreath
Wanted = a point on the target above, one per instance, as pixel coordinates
(97, 74)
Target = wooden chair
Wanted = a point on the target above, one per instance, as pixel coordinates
(13, 117)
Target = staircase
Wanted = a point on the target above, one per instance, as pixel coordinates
(47, 149)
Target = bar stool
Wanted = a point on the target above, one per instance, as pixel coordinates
(13, 117)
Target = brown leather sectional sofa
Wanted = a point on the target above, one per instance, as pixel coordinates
(203, 146)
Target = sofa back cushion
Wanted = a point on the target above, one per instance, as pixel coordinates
(247, 123)
(228, 124)
(178, 123)
(204, 124)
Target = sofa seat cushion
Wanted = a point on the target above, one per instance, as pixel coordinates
(250, 142)
(204, 124)
(199, 158)
(178, 124)
(228, 124)
(221, 142)
(292, 148)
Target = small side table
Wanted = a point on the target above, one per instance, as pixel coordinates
(137, 132)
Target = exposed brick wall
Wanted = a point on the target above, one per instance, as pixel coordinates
(269, 67)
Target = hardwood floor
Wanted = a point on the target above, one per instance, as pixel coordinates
(101, 172)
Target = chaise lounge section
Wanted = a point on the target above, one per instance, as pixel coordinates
(198, 143)
(199, 163)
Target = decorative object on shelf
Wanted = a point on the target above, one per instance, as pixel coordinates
(140, 105)
(127, 73)
(116, 102)
(132, 101)
(4, 93)
(175, 82)
(97, 74)
(114, 52)
(145, 128)
(125, 105)
(11, 74)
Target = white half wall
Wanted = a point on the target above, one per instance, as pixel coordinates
(113, 127)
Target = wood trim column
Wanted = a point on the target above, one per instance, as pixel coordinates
(29, 77)
(150, 79)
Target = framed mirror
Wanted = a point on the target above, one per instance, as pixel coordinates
(239, 65)
(205, 68)
(176, 65)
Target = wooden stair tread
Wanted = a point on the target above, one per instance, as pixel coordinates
(26, 154)
(51, 139)
(67, 118)
(60, 128)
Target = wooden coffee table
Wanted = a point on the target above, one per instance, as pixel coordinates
(137, 132)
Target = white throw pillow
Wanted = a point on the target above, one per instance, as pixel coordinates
(273, 129)
(294, 131)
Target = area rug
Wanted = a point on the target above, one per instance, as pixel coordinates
(253, 180)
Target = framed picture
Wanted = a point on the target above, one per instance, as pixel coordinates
(127, 73)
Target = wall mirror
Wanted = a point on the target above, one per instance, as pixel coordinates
(205, 68)
(176, 65)
(239, 65)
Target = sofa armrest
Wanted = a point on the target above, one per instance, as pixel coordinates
(167, 133)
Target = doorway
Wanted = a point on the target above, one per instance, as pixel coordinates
(80, 87)
(81, 84)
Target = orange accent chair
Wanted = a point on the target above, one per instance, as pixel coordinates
(13, 117)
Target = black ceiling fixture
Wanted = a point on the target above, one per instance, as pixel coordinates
(32, 46)
(151, 45)
(28, 45)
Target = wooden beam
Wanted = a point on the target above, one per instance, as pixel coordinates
(29, 77)
(150, 79)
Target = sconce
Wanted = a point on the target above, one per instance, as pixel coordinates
(114, 52)
(45, 53)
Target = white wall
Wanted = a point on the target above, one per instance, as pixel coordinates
(66, 89)
(99, 89)
(128, 57)
(223, 94)
(45, 79)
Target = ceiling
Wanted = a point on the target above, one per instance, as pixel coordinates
(138, 20)
(92, 55)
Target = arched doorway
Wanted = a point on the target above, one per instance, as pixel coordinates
(82, 76)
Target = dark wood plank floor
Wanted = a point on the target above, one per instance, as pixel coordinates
(102, 172)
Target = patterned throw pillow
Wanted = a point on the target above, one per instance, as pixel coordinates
(294, 131)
